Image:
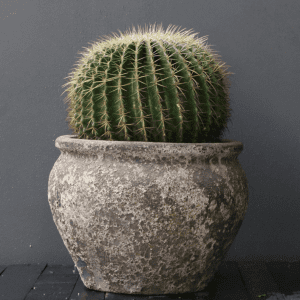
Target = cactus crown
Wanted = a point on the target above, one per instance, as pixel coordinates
(151, 86)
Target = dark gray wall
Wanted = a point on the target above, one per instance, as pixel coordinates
(39, 46)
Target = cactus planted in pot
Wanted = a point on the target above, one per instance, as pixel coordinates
(150, 86)
(146, 196)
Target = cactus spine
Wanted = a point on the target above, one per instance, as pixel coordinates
(151, 86)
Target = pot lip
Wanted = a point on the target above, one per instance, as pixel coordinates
(73, 138)
(72, 143)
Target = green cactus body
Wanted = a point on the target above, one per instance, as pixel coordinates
(151, 86)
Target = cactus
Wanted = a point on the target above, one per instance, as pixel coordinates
(150, 86)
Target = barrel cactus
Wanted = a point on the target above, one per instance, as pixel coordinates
(151, 86)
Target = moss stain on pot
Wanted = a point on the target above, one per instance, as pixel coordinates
(147, 218)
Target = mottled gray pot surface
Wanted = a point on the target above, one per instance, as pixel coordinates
(147, 218)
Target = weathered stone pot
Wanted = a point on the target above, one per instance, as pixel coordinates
(147, 218)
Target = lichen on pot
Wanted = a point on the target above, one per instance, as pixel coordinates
(147, 218)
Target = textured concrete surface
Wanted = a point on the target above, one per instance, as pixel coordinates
(147, 218)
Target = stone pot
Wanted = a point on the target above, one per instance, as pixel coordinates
(144, 217)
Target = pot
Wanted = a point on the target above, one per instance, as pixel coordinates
(144, 217)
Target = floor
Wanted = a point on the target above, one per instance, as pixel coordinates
(233, 281)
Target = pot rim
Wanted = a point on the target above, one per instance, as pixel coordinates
(71, 143)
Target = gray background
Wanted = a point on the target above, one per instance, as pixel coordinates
(39, 46)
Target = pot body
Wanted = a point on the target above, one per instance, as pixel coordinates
(147, 218)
